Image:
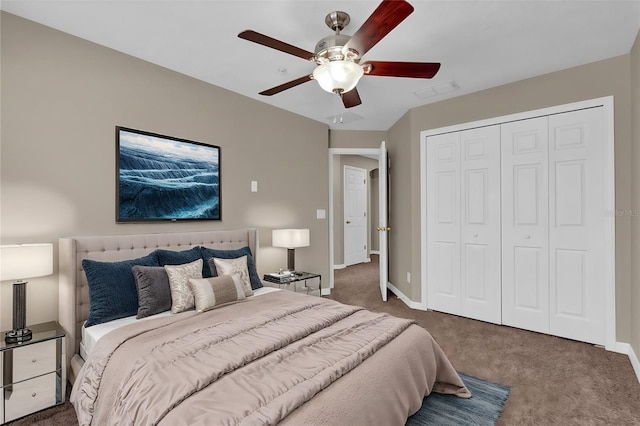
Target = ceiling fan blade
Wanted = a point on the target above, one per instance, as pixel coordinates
(285, 86)
(384, 19)
(402, 69)
(276, 44)
(351, 98)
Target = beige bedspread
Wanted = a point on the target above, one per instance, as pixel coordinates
(281, 357)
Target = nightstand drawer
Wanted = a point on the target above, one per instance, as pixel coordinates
(29, 396)
(34, 360)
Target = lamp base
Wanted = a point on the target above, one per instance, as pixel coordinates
(291, 260)
(16, 336)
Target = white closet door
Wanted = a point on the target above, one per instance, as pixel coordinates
(577, 223)
(525, 231)
(480, 223)
(443, 223)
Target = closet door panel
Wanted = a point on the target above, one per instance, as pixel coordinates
(576, 176)
(480, 223)
(525, 227)
(443, 223)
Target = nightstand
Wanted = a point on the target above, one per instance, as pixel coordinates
(301, 282)
(32, 373)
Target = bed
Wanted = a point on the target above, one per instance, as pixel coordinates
(273, 357)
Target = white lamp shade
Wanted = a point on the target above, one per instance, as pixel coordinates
(338, 75)
(25, 261)
(290, 238)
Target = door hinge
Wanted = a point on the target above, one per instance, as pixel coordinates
(365, 214)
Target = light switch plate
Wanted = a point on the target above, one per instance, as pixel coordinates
(254, 186)
(321, 214)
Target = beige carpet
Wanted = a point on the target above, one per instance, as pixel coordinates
(553, 381)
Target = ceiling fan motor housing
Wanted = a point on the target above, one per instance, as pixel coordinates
(331, 48)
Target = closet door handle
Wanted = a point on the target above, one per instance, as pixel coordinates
(527, 236)
(475, 235)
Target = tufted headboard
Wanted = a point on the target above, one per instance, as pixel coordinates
(73, 299)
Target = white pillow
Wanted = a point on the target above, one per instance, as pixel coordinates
(210, 293)
(237, 266)
(181, 295)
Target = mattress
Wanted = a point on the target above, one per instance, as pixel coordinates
(91, 335)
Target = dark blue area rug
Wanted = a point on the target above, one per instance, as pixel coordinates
(483, 408)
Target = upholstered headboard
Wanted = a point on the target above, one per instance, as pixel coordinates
(73, 302)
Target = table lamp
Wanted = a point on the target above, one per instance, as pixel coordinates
(290, 239)
(16, 263)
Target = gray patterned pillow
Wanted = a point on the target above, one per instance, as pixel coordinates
(181, 295)
(237, 266)
(210, 293)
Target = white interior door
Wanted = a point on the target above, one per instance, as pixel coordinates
(525, 244)
(355, 215)
(577, 225)
(480, 290)
(383, 228)
(443, 223)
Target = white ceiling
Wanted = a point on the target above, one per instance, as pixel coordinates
(481, 44)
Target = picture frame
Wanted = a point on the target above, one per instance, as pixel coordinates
(165, 178)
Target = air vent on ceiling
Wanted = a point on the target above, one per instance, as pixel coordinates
(439, 89)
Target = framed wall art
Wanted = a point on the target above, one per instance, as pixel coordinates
(163, 178)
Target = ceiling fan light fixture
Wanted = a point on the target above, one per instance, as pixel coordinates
(338, 76)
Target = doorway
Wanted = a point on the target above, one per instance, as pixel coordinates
(372, 160)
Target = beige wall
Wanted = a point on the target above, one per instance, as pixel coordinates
(356, 138)
(61, 99)
(403, 236)
(604, 78)
(635, 196)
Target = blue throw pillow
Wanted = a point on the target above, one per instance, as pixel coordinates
(112, 288)
(170, 257)
(208, 253)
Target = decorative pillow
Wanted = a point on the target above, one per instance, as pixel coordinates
(210, 293)
(208, 253)
(170, 257)
(112, 288)
(154, 292)
(181, 295)
(237, 267)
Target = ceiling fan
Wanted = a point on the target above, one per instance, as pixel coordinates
(338, 56)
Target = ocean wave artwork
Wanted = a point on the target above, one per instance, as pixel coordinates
(161, 178)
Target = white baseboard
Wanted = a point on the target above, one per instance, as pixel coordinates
(374, 252)
(325, 291)
(368, 260)
(410, 303)
(634, 362)
(339, 266)
(625, 348)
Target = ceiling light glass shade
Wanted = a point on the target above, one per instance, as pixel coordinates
(340, 76)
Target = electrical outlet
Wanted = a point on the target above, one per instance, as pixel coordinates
(409, 277)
